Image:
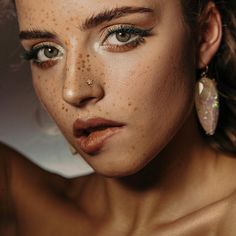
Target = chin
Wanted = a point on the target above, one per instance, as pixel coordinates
(121, 169)
(116, 173)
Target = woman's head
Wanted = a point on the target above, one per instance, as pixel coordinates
(133, 62)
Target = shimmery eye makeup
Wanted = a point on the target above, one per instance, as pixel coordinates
(122, 38)
(44, 55)
(118, 38)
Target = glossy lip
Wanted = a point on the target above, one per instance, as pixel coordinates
(92, 133)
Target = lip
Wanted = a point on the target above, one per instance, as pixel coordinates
(91, 134)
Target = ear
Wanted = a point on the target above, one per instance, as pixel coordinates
(210, 34)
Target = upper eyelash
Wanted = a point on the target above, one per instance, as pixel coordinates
(32, 53)
(128, 29)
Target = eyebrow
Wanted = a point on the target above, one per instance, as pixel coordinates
(91, 22)
(112, 14)
(36, 34)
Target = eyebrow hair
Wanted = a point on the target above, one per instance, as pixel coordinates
(36, 34)
(108, 15)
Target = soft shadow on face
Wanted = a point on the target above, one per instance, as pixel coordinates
(137, 70)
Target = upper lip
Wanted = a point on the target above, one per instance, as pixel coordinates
(85, 127)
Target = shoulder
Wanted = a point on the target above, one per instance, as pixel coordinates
(7, 216)
(19, 168)
(227, 223)
(20, 178)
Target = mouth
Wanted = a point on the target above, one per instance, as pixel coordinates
(91, 134)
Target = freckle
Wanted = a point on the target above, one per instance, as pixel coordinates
(42, 21)
(80, 56)
(88, 69)
(79, 68)
(133, 147)
(104, 83)
(129, 104)
(135, 109)
(66, 110)
(54, 19)
(67, 28)
(72, 19)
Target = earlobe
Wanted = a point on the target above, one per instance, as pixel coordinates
(210, 35)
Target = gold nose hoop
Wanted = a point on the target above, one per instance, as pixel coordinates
(90, 82)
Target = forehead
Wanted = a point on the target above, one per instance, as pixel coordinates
(79, 6)
(31, 12)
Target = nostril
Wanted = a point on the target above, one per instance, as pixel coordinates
(86, 100)
(77, 94)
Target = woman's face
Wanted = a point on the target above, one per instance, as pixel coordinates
(129, 61)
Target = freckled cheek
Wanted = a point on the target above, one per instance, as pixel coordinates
(50, 95)
(48, 92)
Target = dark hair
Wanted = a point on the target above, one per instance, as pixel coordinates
(222, 68)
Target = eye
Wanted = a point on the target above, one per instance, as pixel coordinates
(44, 53)
(124, 37)
(48, 53)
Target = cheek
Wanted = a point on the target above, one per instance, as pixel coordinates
(159, 82)
(154, 95)
(48, 88)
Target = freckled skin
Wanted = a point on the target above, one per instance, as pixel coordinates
(157, 176)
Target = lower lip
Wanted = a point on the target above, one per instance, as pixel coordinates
(93, 143)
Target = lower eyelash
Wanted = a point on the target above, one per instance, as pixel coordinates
(46, 64)
(125, 47)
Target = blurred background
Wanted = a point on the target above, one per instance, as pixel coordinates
(24, 125)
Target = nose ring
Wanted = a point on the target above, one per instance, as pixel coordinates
(90, 82)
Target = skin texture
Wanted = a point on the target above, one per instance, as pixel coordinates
(127, 88)
(156, 176)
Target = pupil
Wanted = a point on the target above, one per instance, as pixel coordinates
(50, 52)
(123, 36)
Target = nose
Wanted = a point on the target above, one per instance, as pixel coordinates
(81, 88)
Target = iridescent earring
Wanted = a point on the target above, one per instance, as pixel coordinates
(207, 103)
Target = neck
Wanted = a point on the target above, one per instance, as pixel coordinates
(164, 187)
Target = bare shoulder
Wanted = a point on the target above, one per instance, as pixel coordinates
(7, 212)
(20, 176)
(227, 224)
(35, 194)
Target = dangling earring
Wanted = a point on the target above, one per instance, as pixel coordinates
(207, 103)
